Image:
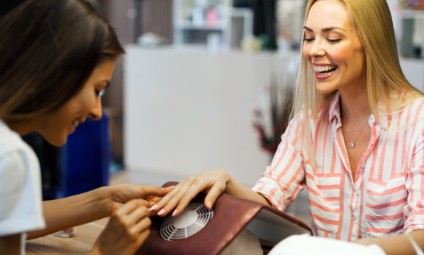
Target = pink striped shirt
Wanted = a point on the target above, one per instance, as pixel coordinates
(387, 197)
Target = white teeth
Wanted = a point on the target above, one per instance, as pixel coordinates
(324, 69)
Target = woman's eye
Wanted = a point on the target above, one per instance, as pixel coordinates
(336, 40)
(308, 39)
(100, 92)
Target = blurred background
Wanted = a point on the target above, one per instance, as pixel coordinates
(204, 84)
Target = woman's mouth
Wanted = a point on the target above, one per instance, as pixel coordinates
(76, 123)
(324, 71)
(73, 126)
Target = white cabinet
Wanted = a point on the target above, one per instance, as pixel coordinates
(188, 110)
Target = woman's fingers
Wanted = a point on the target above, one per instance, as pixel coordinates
(130, 206)
(213, 194)
(185, 197)
(214, 182)
(164, 200)
(138, 214)
(138, 223)
(155, 191)
(133, 216)
(142, 225)
(181, 195)
(127, 229)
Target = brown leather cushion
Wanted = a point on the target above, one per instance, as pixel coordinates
(231, 216)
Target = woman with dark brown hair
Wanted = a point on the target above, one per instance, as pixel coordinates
(57, 59)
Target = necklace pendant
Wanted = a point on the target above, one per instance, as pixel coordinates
(352, 145)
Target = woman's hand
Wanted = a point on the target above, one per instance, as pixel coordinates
(113, 197)
(92, 205)
(127, 229)
(213, 182)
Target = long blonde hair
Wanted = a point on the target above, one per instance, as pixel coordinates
(386, 83)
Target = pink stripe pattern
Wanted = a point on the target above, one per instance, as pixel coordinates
(387, 196)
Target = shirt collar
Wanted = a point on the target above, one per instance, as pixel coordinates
(334, 111)
(334, 108)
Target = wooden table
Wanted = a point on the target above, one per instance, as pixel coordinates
(81, 244)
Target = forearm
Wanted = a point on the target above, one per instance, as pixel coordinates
(10, 244)
(72, 211)
(239, 190)
(397, 245)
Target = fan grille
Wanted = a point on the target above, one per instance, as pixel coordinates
(192, 220)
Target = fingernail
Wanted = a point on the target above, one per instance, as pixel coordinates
(153, 207)
(174, 212)
(161, 212)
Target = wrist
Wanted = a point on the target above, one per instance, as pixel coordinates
(363, 241)
(102, 198)
(230, 184)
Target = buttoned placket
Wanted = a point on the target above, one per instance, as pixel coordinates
(359, 220)
(356, 203)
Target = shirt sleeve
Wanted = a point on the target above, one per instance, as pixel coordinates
(414, 211)
(20, 193)
(284, 178)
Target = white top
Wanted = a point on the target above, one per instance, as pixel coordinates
(20, 186)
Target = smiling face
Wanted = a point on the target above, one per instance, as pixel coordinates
(57, 125)
(333, 48)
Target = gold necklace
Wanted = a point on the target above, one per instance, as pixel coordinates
(352, 142)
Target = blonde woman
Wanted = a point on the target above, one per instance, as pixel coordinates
(355, 140)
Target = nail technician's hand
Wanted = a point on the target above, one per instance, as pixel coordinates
(126, 230)
(212, 182)
(116, 196)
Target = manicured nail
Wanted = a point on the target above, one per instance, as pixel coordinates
(174, 212)
(153, 207)
(161, 212)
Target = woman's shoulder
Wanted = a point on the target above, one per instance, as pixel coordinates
(11, 141)
(410, 114)
(415, 107)
(418, 100)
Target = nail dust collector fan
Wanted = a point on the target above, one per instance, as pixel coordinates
(233, 226)
(194, 219)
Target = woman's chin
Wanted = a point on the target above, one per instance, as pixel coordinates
(324, 90)
(57, 141)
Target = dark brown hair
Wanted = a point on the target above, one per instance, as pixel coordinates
(48, 49)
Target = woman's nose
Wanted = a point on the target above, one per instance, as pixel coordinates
(96, 111)
(316, 49)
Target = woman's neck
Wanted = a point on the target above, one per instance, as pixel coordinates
(354, 106)
(20, 127)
